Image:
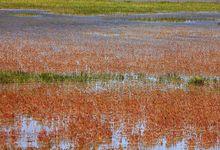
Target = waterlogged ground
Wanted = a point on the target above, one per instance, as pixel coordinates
(156, 105)
(39, 43)
(132, 117)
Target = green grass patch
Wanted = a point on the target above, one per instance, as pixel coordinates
(200, 81)
(88, 7)
(7, 77)
(197, 81)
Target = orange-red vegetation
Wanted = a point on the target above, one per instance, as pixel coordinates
(93, 117)
(147, 50)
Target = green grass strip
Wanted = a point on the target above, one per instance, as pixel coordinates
(92, 7)
(7, 77)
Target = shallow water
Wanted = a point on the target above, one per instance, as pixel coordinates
(28, 132)
(42, 20)
(134, 113)
(115, 33)
(73, 117)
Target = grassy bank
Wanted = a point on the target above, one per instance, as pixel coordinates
(88, 7)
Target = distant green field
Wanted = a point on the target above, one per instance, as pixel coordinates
(90, 7)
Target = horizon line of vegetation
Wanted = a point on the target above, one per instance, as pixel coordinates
(94, 7)
(7, 77)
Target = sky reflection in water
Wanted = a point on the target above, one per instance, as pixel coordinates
(28, 131)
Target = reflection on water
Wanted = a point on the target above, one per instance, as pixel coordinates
(28, 132)
(56, 117)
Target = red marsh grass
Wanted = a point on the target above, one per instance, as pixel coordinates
(92, 117)
(173, 115)
(170, 57)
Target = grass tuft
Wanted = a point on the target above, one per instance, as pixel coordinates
(170, 78)
(197, 81)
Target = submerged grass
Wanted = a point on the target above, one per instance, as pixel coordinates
(88, 7)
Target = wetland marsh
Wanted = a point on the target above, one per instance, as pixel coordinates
(109, 81)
